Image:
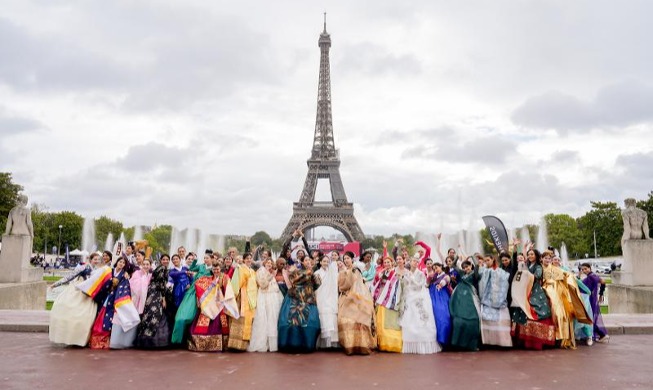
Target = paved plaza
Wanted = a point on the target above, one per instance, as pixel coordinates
(30, 361)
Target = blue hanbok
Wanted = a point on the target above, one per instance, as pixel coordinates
(440, 304)
(299, 320)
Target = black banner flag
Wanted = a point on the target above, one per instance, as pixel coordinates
(497, 232)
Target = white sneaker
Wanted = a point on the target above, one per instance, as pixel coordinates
(590, 342)
(604, 339)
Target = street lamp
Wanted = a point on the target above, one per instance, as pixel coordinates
(59, 247)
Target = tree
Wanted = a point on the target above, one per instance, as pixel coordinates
(45, 236)
(105, 225)
(72, 225)
(260, 238)
(564, 228)
(604, 219)
(159, 238)
(129, 233)
(8, 196)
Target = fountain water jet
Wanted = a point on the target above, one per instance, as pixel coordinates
(564, 256)
(108, 244)
(542, 237)
(138, 233)
(88, 235)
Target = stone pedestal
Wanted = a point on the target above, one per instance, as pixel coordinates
(637, 268)
(21, 285)
(23, 296)
(631, 290)
(14, 260)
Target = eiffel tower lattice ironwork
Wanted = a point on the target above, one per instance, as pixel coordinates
(324, 164)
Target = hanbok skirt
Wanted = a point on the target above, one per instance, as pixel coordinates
(497, 332)
(185, 315)
(121, 339)
(264, 328)
(355, 338)
(212, 338)
(328, 338)
(466, 323)
(440, 304)
(388, 330)
(99, 337)
(584, 331)
(72, 317)
(418, 329)
(236, 334)
(298, 338)
(160, 338)
(534, 334)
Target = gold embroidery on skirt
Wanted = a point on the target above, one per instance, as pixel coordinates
(236, 334)
(205, 343)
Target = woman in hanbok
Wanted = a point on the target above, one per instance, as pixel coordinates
(282, 276)
(139, 283)
(115, 324)
(418, 329)
(299, 320)
(245, 290)
(596, 285)
(454, 273)
(532, 324)
(327, 299)
(368, 271)
(209, 331)
(73, 312)
(464, 307)
(180, 276)
(582, 331)
(268, 305)
(154, 329)
(386, 291)
(355, 311)
(569, 294)
(188, 307)
(493, 293)
(555, 287)
(438, 283)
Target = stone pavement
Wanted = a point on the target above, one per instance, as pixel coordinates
(30, 361)
(37, 321)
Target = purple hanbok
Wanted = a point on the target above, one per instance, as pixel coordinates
(593, 283)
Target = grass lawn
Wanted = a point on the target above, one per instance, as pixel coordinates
(51, 279)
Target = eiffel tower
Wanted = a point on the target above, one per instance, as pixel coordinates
(324, 164)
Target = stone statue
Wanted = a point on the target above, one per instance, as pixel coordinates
(635, 222)
(19, 221)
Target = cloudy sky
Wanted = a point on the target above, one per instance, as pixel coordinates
(201, 113)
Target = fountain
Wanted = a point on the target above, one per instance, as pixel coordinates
(138, 233)
(108, 244)
(564, 256)
(542, 238)
(524, 237)
(473, 238)
(88, 236)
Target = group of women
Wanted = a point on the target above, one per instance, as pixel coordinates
(302, 302)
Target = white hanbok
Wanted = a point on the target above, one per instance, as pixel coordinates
(268, 305)
(72, 316)
(327, 305)
(419, 334)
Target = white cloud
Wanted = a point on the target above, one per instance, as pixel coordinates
(202, 114)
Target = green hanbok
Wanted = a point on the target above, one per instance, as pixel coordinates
(464, 307)
(188, 308)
